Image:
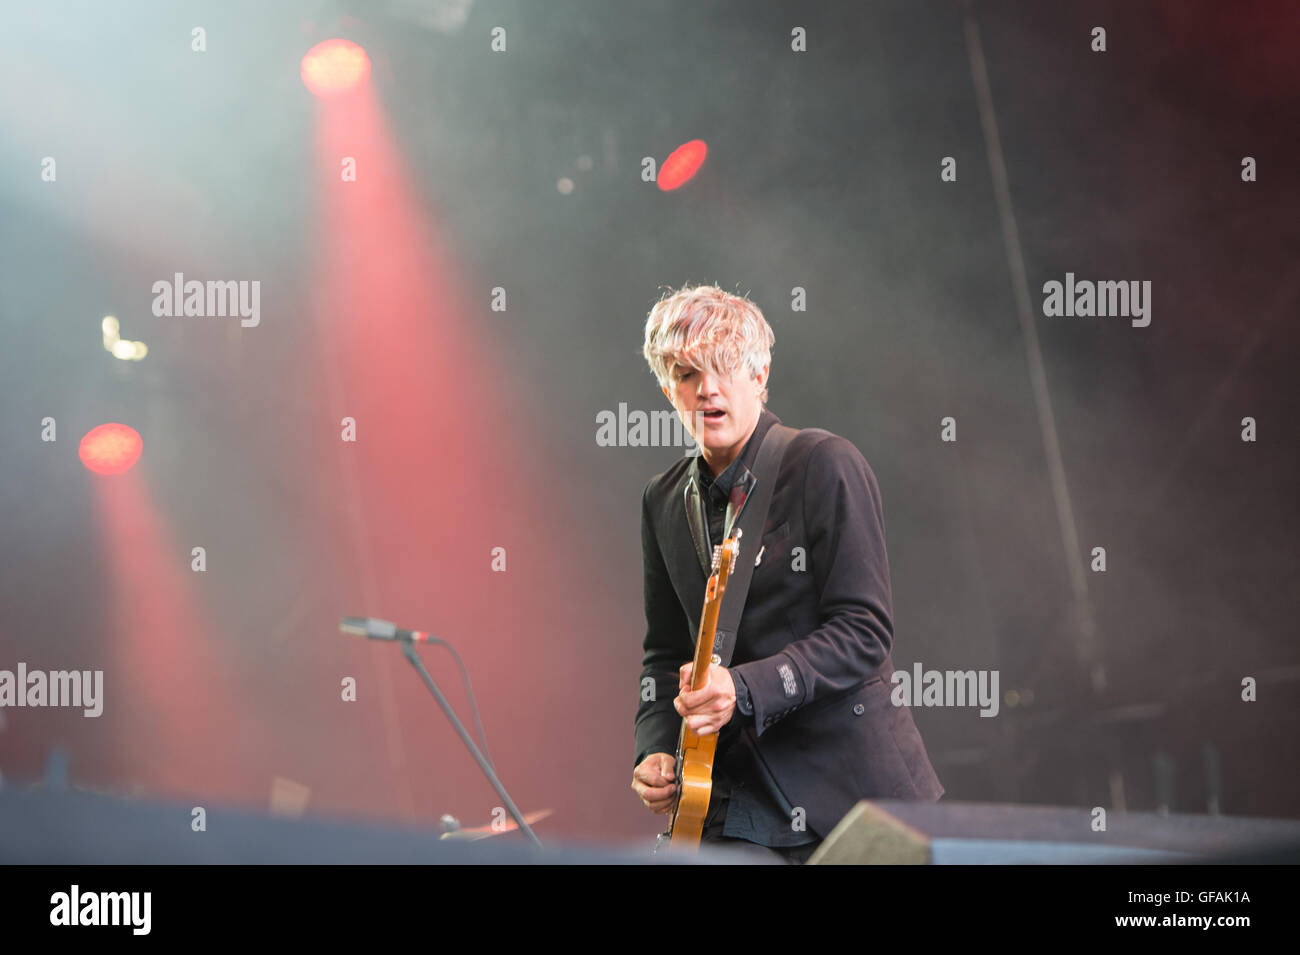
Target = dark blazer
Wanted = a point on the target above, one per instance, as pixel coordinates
(814, 640)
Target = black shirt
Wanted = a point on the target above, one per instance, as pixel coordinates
(745, 803)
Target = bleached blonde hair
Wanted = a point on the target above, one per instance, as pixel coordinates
(703, 326)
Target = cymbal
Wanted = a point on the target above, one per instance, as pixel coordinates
(509, 825)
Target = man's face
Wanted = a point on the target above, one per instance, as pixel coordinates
(719, 412)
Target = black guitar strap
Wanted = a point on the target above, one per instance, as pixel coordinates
(753, 518)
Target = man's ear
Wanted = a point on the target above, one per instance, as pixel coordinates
(666, 394)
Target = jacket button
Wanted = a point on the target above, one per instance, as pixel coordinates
(859, 709)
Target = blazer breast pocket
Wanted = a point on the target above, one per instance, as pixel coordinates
(773, 544)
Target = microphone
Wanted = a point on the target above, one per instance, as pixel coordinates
(377, 629)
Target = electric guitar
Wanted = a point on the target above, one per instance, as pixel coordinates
(694, 765)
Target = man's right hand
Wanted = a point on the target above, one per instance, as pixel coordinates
(655, 781)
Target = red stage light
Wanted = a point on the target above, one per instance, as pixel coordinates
(111, 448)
(334, 67)
(682, 165)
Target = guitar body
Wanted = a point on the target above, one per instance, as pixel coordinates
(694, 767)
(695, 762)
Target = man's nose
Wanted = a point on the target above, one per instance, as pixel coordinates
(707, 384)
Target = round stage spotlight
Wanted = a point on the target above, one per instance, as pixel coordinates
(111, 448)
(682, 164)
(335, 67)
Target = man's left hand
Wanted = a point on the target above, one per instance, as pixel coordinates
(709, 708)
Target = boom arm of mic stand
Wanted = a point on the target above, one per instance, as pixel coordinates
(408, 651)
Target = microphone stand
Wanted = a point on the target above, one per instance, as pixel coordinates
(408, 651)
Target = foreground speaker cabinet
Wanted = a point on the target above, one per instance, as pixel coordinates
(867, 835)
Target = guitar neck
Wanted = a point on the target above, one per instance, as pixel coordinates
(708, 633)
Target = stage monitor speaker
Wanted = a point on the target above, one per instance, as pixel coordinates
(867, 835)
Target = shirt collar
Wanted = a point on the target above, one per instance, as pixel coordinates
(721, 485)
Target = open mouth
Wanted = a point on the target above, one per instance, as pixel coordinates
(713, 415)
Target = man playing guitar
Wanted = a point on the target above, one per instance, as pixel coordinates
(803, 711)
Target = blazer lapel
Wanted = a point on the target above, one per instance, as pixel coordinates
(740, 492)
(685, 555)
(696, 522)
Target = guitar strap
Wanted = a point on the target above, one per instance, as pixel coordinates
(753, 518)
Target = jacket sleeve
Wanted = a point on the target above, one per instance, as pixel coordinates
(667, 646)
(845, 527)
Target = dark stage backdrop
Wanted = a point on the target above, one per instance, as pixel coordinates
(894, 184)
